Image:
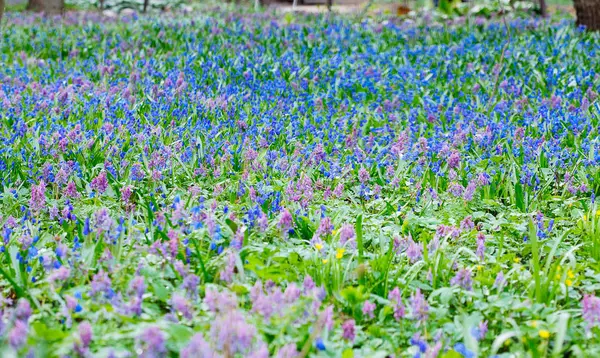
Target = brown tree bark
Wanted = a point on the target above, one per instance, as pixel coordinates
(588, 13)
(1, 10)
(543, 8)
(47, 6)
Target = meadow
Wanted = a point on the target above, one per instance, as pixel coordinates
(249, 185)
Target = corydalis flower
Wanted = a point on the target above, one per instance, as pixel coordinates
(368, 308)
(396, 298)
(325, 226)
(499, 282)
(414, 251)
(100, 183)
(38, 197)
(71, 190)
(18, 335)
(219, 301)
(419, 306)
(181, 305)
(462, 279)
(480, 245)
(363, 176)
(228, 270)
(198, 347)
(232, 334)
(480, 331)
(590, 310)
(104, 223)
(126, 192)
(286, 221)
(85, 338)
(23, 310)
(151, 343)
(348, 330)
(347, 234)
(101, 284)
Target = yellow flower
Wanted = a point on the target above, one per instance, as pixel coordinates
(517, 260)
(570, 274)
(339, 253)
(568, 282)
(479, 267)
(544, 334)
(319, 246)
(333, 232)
(584, 217)
(597, 212)
(325, 261)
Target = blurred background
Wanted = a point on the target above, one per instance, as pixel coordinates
(586, 12)
(484, 8)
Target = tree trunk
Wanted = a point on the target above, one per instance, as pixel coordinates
(47, 6)
(543, 8)
(588, 13)
(1, 11)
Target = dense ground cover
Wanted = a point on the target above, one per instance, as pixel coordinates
(246, 185)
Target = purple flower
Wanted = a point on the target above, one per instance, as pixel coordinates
(480, 245)
(462, 279)
(60, 274)
(419, 306)
(126, 192)
(480, 331)
(286, 221)
(85, 334)
(347, 234)
(363, 175)
(396, 298)
(348, 328)
(151, 343)
(38, 197)
(23, 310)
(368, 308)
(231, 333)
(238, 239)
(308, 284)
(414, 252)
(219, 301)
(456, 189)
(327, 317)
(101, 284)
(198, 348)
(470, 191)
(228, 270)
(288, 351)
(499, 282)
(325, 226)
(292, 293)
(104, 223)
(454, 160)
(590, 310)
(137, 286)
(181, 305)
(100, 183)
(467, 223)
(17, 337)
(339, 190)
(190, 285)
